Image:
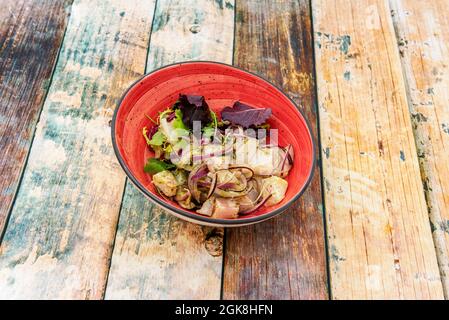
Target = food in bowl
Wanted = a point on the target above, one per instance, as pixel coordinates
(221, 85)
(222, 167)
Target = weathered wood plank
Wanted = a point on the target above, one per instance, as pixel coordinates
(378, 228)
(283, 258)
(421, 30)
(31, 33)
(156, 255)
(59, 239)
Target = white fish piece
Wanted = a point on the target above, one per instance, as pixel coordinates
(166, 182)
(275, 186)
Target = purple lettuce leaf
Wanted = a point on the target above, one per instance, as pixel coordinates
(152, 131)
(171, 116)
(245, 115)
(194, 108)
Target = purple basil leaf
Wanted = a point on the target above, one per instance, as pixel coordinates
(194, 108)
(244, 115)
(238, 106)
(195, 100)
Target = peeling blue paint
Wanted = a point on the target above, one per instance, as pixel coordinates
(419, 117)
(229, 5)
(444, 226)
(345, 42)
(326, 152)
(335, 255)
(341, 43)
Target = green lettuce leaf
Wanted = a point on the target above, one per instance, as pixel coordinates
(177, 121)
(154, 166)
(158, 139)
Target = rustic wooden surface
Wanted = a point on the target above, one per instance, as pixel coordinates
(380, 242)
(26, 63)
(424, 51)
(158, 256)
(283, 258)
(59, 238)
(382, 84)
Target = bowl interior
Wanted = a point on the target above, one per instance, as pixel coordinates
(221, 85)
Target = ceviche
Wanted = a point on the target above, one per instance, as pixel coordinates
(221, 167)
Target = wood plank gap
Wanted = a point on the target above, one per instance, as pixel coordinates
(320, 148)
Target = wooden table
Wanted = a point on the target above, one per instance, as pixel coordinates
(372, 76)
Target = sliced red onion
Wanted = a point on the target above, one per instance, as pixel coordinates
(192, 182)
(253, 193)
(200, 172)
(233, 167)
(260, 204)
(232, 194)
(213, 185)
(231, 185)
(203, 184)
(227, 185)
(200, 157)
(286, 156)
(289, 151)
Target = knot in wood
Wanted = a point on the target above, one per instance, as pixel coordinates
(214, 242)
(195, 28)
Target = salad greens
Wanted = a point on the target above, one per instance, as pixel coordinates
(221, 170)
(244, 115)
(158, 139)
(193, 108)
(154, 166)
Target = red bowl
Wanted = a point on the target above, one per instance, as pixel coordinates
(221, 85)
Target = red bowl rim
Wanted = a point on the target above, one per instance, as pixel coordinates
(187, 214)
